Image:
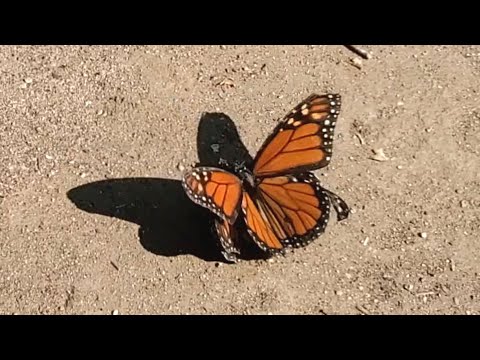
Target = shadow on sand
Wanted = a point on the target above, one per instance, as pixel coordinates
(170, 224)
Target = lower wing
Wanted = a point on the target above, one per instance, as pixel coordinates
(288, 211)
(228, 236)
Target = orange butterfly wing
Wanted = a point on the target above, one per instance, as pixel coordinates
(214, 189)
(258, 226)
(287, 211)
(303, 140)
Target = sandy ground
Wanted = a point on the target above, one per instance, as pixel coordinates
(93, 218)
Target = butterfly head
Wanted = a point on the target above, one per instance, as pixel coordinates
(241, 170)
(246, 176)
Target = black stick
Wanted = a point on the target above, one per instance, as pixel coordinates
(358, 51)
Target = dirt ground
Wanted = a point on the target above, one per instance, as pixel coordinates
(93, 141)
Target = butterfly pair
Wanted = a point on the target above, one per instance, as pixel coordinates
(281, 203)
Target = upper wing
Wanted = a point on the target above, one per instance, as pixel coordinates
(215, 189)
(287, 211)
(303, 139)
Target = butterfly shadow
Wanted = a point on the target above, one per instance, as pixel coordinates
(219, 144)
(170, 223)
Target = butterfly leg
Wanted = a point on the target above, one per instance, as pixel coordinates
(236, 167)
(222, 161)
(225, 164)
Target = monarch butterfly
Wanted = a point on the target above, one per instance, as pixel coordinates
(282, 203)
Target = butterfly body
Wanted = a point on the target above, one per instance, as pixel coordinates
(278, 198)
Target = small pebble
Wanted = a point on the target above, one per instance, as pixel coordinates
(452, 265)
(365, 242)
(83, 175)
(456, 301)
(181, 167)
(28, 80)
(399, 167)
(100, 112)
(423, 235)
(88, 103)
(400, 103)
(115, 312)
(379, 155)
(357, 62)
(49, 157)
(339, 293)
(464, 203)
